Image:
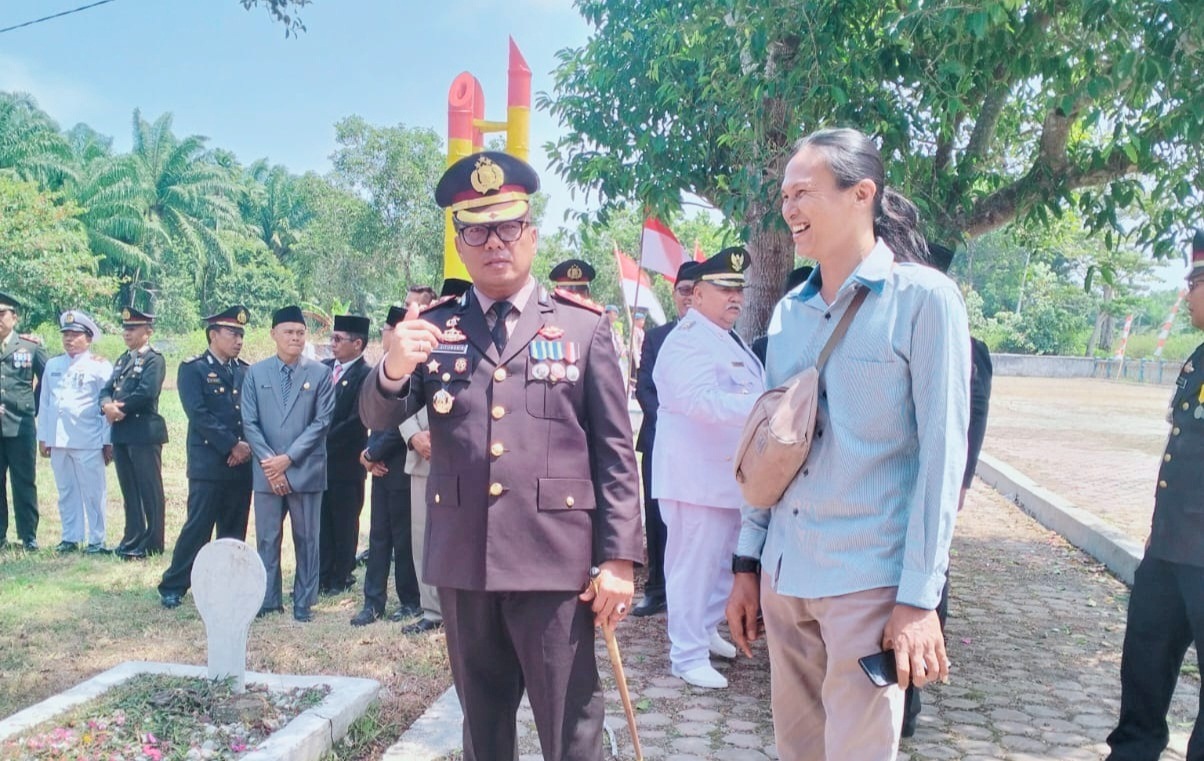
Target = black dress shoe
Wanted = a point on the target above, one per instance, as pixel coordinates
(268, 611)
(421, 626)
(30, 545)
(365, 617)
(67, 547)
(170, 600)
(304, 615)
(650, 606)
(406, 611)
(97, 549)
(132, 555)
(362, 558)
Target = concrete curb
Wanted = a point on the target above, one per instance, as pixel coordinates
(305, 738)
(1095, 536)
(435, 734)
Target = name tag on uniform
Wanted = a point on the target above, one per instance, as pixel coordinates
(452, 348)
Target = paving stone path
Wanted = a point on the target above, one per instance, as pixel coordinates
(1034, 636)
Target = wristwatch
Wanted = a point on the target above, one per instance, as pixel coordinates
(744, 564)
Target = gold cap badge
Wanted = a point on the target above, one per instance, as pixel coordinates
(487, 176)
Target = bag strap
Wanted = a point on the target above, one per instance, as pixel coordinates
(842, 327)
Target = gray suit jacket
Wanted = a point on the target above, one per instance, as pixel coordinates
(299, 431)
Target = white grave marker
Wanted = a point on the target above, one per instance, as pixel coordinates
(228, 583)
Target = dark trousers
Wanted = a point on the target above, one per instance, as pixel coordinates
(657, 534)
(304, 511)
(500, 643)
(221, 505)
(342, 503)
(911, 698)
(1166, 614)
(18, 458)
(139, 472)
(389, 540)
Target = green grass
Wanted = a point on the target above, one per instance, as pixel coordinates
(65, 618)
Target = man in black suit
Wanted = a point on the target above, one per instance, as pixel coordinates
(797, 277)
(219, 459)
(130, 402)
(344, 498)
(1166, 607)
(645, 395)
(389, 535)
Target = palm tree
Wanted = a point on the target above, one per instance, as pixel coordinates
(30, 143)
(275, 207)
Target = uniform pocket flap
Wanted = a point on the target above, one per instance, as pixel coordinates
(566, 494)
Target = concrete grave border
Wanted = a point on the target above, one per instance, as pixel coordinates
(305, 738)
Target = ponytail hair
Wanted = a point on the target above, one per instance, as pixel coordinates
(853, 157)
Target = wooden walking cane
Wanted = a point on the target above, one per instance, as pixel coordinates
(616, 662)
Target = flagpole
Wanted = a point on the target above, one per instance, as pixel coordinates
(639, 272)
(626, 306)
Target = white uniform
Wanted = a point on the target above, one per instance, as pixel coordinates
(707, 382)
(71, 424)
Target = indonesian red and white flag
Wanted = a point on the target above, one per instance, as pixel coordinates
(637, 288)
(698, 255)
(661, 251)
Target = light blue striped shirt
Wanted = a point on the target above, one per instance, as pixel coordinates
(875, 504)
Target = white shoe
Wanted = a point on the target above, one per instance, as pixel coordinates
(701, 676)
(721, 647)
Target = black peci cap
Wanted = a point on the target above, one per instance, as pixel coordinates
(350, 323)
(288, 314)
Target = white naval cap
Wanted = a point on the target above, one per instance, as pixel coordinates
(78, 322)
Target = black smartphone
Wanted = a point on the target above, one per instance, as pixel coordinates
(880, 668)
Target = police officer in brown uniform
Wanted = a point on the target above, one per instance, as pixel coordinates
(533, 477)
(574, 276)
(1166, 607)
(130, 402)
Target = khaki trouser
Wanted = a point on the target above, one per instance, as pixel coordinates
(428, 596)
(824, 706)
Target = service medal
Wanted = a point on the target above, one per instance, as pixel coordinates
(572, 373)
(461, 365)
(540, 371)
(557, 371)
(442, 401)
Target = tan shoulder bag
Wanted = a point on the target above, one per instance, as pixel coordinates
(778, 433)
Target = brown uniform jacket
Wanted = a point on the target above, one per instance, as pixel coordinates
(532, 480)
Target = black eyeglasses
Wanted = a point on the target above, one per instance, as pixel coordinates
(507, 232)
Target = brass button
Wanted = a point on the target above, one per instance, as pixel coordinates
(1162, 484)
(436, 499)
(568, 501)
(1185, 405)
(496, 449)
(1175, 431)
(499, 374)
(446, 377)
(236, 391)
(1166, 457)
(495, 489)
(498, 412)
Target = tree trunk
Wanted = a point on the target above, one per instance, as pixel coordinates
(772, 260)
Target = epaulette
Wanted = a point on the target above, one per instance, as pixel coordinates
(243, 362)
(32, 338)
(581, 301)
(190, 360)
(436, 303)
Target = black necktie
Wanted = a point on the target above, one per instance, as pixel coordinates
(500, 309)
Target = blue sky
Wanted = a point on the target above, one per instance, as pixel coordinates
(230, 75)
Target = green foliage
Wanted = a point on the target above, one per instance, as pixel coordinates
(30, 143)
(990, 113)
(45, 261)
(396, 169)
